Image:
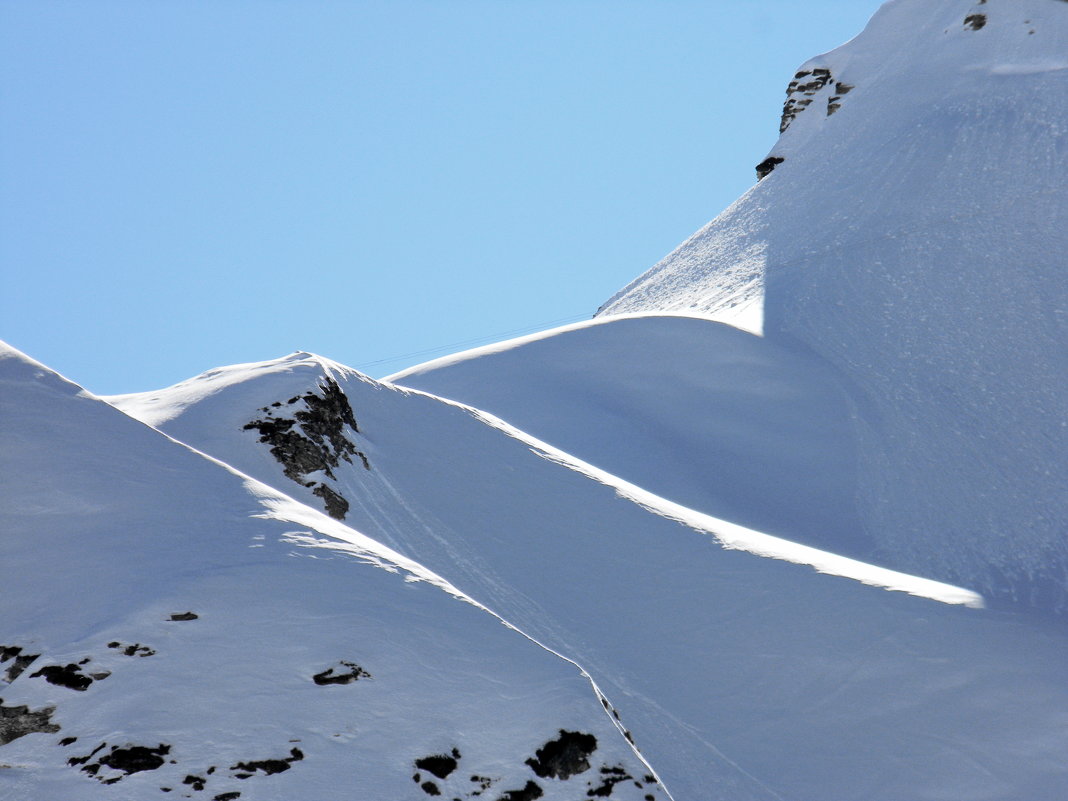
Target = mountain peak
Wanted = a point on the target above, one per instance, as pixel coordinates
(910, 231)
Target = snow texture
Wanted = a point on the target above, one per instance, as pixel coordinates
(737, 675)
(913, 240)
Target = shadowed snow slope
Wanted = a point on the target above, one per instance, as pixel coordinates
(738, 676)
(189, 628)
(698, 412)
(913, 236)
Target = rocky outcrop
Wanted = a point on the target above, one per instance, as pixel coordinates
(18, 721)
(344, 673)
(803, 89)
(565, 756)
(764, 168)
(310, 434)
(18, 659)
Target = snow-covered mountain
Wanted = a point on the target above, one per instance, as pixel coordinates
(737, 670)
(912, 236)
(172, 628)
(696, 548)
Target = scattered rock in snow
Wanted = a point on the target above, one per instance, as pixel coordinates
(268, 766)
(121, 762)
(69, 676)
(336, 506)
(483, 782)
(975, 22)
(530, 792)
(18, 721)
(441, 765)
(834, 102)
(347, 673)
(184, 616)
(610, 777)
(19, 661)
(227, 796)
(565, 756)
(136, 649)
(802, 91)
(313, 440)
(765, 168)
(196, 782)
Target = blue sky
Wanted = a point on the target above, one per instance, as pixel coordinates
(196, 183)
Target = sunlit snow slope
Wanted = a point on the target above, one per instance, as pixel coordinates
(912, 234)
(738, 675)
(172, 629)
(698, 412)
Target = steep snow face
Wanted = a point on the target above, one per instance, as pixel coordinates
(913, 236)
(738, 676)
(173, 629)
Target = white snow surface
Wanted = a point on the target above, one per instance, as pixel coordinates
(914, 240)
(109, 527)
(738, 676)
(696, 411)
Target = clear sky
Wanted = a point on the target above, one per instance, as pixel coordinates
(191, 183)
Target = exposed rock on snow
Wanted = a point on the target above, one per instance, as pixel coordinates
(69, 676)
(120, 762)
(19, 661)
(245, 770)
(346, 673)
(135, 649)
(313, 440)
(18, 721)
(565, 756)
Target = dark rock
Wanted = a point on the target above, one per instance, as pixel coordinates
(565, 756)
(268, 766)
(483, 782)
(314, 440)
(430, 788)
(441, 765)
(128, 759)
(18, 721)
(196, 782)
(528, 793)
(975, 22)
(336, 506)
(135, 758)
(69, 676)
(133, 650)
(354, 673)
(610, 777)
(765, 168)
(227, 796)
(19, 661)
(184, 616)
(90, 755)
(68, 741)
